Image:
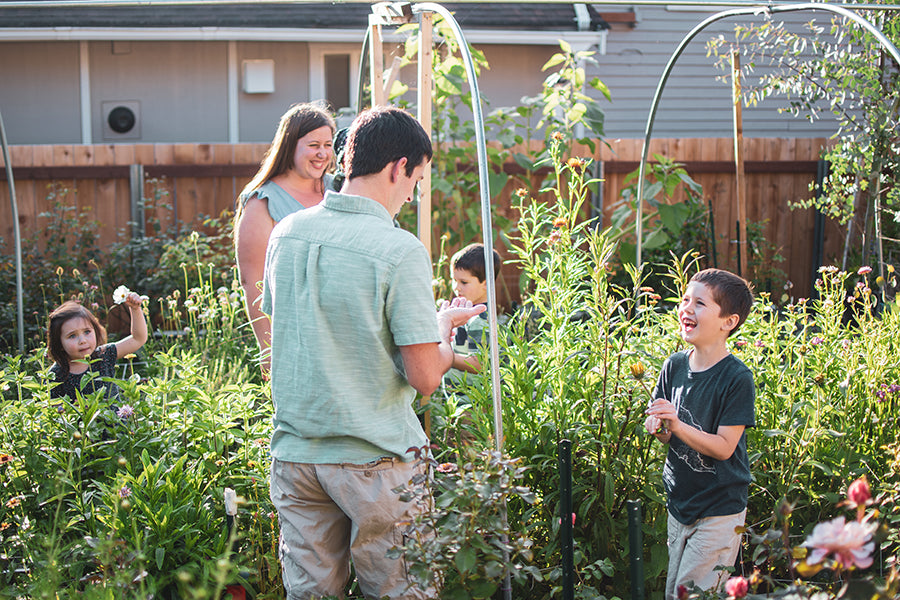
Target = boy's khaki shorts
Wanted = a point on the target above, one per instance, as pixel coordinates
(696, 550)
(331, 513)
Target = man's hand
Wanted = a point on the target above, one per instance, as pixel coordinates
(456, 313)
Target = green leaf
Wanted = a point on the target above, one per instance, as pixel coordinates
(455, 591)
(465, 559)
(160, 557)
(496, 181)
(483, 588)
(674, 216)
(657, 239)
(554, 60)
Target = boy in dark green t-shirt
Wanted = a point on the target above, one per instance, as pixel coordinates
(703, 404)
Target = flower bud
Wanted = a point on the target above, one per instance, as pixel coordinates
(859, 493)
(637, 370)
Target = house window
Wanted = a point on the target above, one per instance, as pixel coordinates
(337, 80)
(333, 75)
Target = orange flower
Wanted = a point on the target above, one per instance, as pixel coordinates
(560, 222)
(5, 458)
(575, 164)
(13, 502)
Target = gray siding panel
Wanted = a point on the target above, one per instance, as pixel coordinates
(181, 87)
(39, 96)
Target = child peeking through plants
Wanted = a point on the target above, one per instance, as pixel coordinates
(703, 403)
(77, 342)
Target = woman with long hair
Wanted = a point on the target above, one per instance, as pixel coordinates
(293, 176)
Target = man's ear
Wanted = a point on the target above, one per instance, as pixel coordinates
(396, 167)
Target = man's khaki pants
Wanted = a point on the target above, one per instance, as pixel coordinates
(332, 513)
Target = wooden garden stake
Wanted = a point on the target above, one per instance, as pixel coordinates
(741, 195)
(424, 97)
(376, 64)
(423, 100)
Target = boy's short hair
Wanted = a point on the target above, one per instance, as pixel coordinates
(733, 294)
(471, 258)
(382, 135)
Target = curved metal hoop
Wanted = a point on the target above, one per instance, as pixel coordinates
(762, 8)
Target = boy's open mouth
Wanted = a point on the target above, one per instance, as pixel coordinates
(688, 325)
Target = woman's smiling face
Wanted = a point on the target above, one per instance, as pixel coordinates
(314, 153)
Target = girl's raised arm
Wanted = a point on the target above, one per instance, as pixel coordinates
(138, 336)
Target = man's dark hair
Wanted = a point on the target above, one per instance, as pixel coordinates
(471, 258)
(732, 293)
(382, 135)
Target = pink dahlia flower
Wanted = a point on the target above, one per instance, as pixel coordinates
(737, 587)
(849, 542)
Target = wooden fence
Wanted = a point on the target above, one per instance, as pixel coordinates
(203, 179)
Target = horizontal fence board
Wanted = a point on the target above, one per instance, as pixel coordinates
(203, 179)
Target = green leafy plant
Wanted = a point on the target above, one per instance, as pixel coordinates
(461, 543)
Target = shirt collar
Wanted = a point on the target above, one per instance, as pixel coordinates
(355, 204)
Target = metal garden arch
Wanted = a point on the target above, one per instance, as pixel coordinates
(767, 8)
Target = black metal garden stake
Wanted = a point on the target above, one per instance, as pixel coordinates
(566, 543)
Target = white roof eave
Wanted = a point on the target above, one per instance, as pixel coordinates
(479, 36)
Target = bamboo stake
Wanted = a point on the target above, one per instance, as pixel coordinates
(423, 100)
(741, 195)
(376, 65)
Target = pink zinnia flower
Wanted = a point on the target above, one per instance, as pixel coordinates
(737, 587)
(850, 543)
(864, 270)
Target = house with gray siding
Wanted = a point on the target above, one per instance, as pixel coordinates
(224, 73)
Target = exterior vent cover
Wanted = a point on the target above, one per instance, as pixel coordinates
(121, 120)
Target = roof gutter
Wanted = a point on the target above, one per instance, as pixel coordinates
(474, 36)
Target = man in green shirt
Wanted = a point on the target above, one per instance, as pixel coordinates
(354, 336)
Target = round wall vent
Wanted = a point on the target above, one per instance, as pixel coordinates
(121, 119)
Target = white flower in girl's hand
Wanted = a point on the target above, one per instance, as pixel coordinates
(121, 294)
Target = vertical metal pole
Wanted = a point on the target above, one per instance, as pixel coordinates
(14, 207)
(136, 189)
(487, 231)
(818, 230)
(636, 550)
(566, 538)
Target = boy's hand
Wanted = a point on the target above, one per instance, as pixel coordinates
(652, 424)
(663, 414)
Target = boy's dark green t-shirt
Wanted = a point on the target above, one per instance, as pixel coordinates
(698, 486)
